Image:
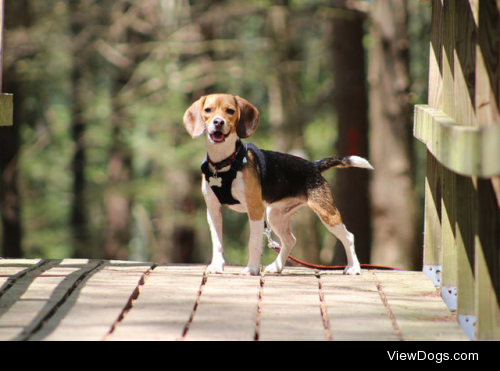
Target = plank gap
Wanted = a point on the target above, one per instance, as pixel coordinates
(383, 296)
(323, 308)
(204, 281)
(258, 315)
(131, 301)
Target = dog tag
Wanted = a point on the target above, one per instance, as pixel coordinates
(215, 182)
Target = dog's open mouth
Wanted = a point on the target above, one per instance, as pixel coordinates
(218, 137)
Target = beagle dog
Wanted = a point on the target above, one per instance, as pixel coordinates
(254, 181)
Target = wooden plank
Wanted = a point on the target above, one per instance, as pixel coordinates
(495, 182)
(487, 65)
(20, 283)
(433, 253)
(465, 61)
(19, 262)
(21, 305)
(436, 57)
(448, 64)
(31, 300)
(468, 151)
(487, 264)
(418, 308)
(12, 269)
(92, 309)
(6, 109)
(465, 238)
(487, 259)
(9, 333)
(448, 220)
(163, 307)
(227, 310)
(291, 307)
(355, 308)
(29, 310)
(6, 273)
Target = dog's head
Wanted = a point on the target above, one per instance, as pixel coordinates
(221, 115)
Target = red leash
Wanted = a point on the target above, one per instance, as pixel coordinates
(277, 248)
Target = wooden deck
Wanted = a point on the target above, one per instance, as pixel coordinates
(116, 300)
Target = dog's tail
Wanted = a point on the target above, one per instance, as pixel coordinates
(351, 161)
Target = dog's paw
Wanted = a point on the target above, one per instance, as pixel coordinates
(354, 270)
(251, 271)
(215, 268)
(273, 269)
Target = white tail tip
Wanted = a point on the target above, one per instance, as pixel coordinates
(357, 161)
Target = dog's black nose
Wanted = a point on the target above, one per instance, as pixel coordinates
(218, 122)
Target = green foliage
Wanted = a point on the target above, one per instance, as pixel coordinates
(185, 51)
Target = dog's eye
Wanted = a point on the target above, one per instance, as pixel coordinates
(230, 111)
(208, 110)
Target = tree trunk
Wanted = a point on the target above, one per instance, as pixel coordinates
(395, 240)
(288, 116)
(79, 217)
(351, 105)
(17, 16)
(10, 200)
(118, 195)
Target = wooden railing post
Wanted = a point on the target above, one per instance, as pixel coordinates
(487, 99)
(6, 100)
(466, 215)
(461, 129)
(433, 252)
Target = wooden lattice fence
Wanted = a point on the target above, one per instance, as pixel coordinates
(461, 129)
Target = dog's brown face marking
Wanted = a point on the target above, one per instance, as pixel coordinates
(221, 115)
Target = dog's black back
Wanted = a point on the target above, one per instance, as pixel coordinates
(285, 176)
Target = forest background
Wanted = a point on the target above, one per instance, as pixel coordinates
(98, 164)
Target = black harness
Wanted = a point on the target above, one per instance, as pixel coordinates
(221, 182)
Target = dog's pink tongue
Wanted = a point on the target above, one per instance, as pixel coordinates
(218, 136)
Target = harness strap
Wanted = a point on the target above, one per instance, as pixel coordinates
(221, 182)
(228, 161)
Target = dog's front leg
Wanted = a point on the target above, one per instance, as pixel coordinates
(254, 248)
(214, 218)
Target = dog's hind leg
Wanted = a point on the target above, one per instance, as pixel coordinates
(322, 202)
(347, 238)
(279, 221)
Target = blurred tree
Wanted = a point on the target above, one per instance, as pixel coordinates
(19, 20)
(82, 36)
(351, 105)
(101, 156)
(208, 17)
(395, 240)
(9, 151)
(132, 24)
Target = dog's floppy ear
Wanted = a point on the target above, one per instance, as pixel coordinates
(249, 118)
(193, 121)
